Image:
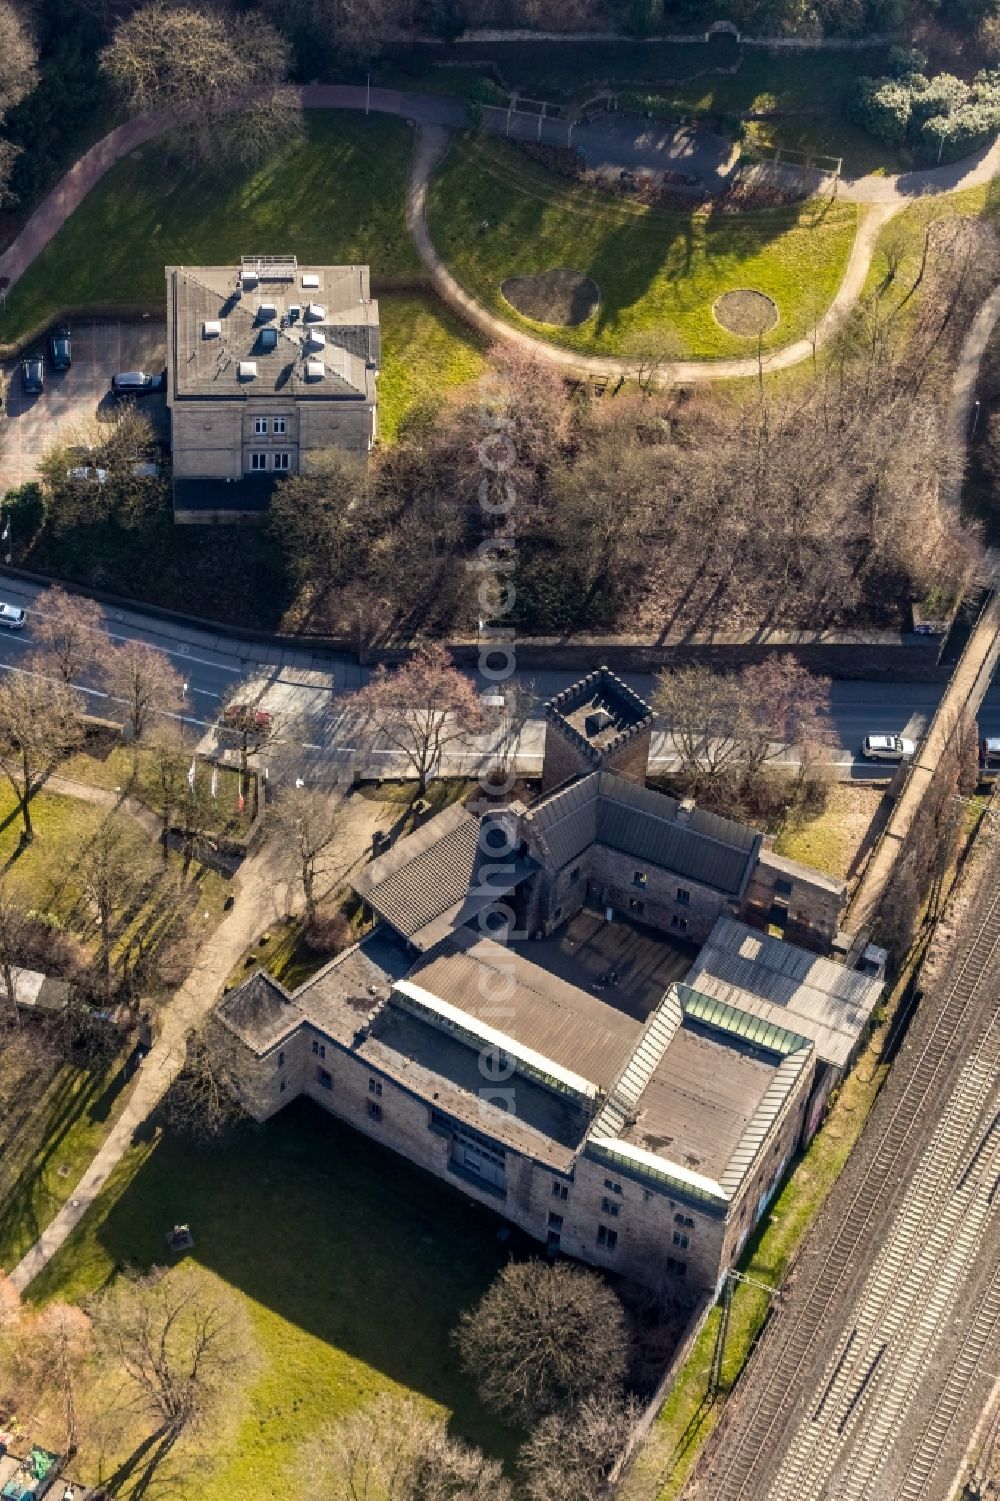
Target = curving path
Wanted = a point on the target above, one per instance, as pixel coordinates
(881, 197)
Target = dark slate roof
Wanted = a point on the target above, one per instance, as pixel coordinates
(260, 1011)
(427, 883)
(607, 809)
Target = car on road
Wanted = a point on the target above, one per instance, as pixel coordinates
(886, 747)
(33, 375)
(60, 348)
(12, 616)
(131, 383)
(989, 759)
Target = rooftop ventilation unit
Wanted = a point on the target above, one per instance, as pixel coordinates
(248, 279)
(268, 339)
(266, 312)
(269, 267)
(315, 370)
(310, 281)
(315, 312)
(211, 328)
(315, 339)
(294, 311)
(247, 369)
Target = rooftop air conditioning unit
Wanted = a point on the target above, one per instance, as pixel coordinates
(315, 339)
(315, 370)
(266, 312)
(248, 279)
(315, 312)
(247, 369)
(310, 280)
(211, 328)
(294, 311)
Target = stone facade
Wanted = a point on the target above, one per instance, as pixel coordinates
(802, 903)
(597, 724)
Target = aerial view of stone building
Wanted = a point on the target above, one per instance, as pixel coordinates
(530, 1017)
(268, 363)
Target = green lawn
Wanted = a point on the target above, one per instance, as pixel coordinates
(426, 351)
(903, 236)
(659, 273)
(320, 198)
(354, 1265)
(68, 1125)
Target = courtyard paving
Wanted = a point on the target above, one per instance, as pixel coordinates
(75, 398)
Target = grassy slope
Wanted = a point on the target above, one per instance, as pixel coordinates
(657, 271)
(319, 198)
(355, 1266)
(426, 351)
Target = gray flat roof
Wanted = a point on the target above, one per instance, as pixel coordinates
(497, 987)
(339, 997)
(786, 985)
(260, 1011)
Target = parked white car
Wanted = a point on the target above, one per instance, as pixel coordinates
(12, 616)
(887, 747)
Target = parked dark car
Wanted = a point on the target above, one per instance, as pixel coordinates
(60, 348)
(33, 375)
(130, 383)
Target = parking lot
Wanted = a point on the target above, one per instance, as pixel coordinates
(74, 398)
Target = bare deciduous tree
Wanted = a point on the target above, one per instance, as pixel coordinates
(542, 1339)
(114, 870)
(393, 1450)
(179, 1346)
(700, 709)
(570, 1454)
(38, 725)
(18, 58)
(15, 929)
(70, 632)
(421, 708)
(210, 1094)
(306, 823)
(145, 683)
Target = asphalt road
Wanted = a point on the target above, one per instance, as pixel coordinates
(309, 686)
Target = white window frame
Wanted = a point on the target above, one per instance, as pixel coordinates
(283, 462)
(260, 427)
(258, 462)
(280, 427)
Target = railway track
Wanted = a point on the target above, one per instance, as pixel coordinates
(897, 1302)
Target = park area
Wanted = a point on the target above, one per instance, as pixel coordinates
(494, 214)
(351, 1265)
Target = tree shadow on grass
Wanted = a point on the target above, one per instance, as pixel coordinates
(337, 1236)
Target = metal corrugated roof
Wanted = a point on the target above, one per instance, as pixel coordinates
(786, 986)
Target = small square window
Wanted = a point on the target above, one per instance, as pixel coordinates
(680, 1240)
(685, 1220)
(614, 1187)
(324, 1078)
(283, 461)
(374, 1111)
(782, 888)
(607, 1238)
(258, 461)
(634, 904)
(574, 874)
(683, 895)
(639, 878)
(375, 1086)
(279, 427)
(778, 915)
(608, 1208)
(560, 1190)
(260, 427)
(680, 923)
(555, 1220)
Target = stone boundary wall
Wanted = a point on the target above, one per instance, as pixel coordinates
(831, 44)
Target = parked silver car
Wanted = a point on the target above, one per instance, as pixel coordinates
(887, 747)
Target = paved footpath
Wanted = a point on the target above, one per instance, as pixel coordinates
(262, 897)
(880, 198)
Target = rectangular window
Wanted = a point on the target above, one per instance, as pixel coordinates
(684, 1219)
(560, 1190)
(375, 1086)
(281, 1060)
(324, 1078)
(680, 1240)
(574, 874)
(283, 461)
(778, 915)
(281, 1086)
(683, 895)
(315, 1046)
(612, 1186)
(676, 1267)
(557, 914)
(555, 1220)
(639, 878)
(634, 904)
(374, 1110)
(680, 923)
(782, 888)
(322, 1050)
(258, 461)
(260, 427)
(607, 1238)
(608, 1208)
(279, 427)
(553, 1240)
